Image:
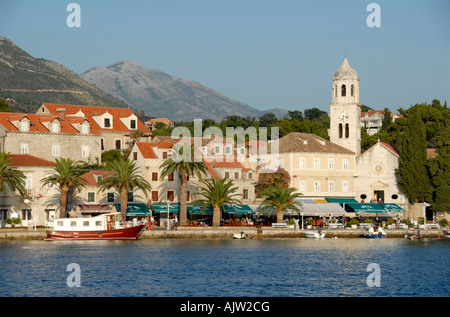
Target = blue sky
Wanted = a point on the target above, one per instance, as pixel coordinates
(268, 54)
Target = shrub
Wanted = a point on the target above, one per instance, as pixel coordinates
(352, 221)
(443, 222)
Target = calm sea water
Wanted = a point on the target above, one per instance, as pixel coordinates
(226, 268)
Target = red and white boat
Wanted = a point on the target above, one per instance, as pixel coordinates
(102, 227)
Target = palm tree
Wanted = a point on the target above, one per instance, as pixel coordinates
(184, 168)
(278, 199)
(67, 174)
(125, 177)
(10, 176)
(217, 193)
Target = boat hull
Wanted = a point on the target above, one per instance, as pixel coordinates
(314, 235)
(131, 233)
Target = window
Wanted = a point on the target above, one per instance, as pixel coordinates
(170, 178)
(91, 197)
(331, 163)
(170, 195)
(85, 151)
(155, 196)
(303, 162)
(60, 223)
(228, 150)
(107, 122)
(24, 148)
(55, 149)
(188, 196)
(317, 162)
(345, 186)
(133, 124)
(73, 223)
(236, 175)
(26, 214)
(343, 91)
(335, 90)
(352, 90)
(340, 131)
(250, 175)
(347, 130)
(331, 186)
(98, 223)
(130, 197)
(154, 176)
(55, 127)
(110, 197)
(317, 186)
(3, 214)
(242, 150)
(245, 193)
(164, 155)
(227, 174)
(85, 223)
(28, 181)
(135, 156)
(102, 145)
(302, 186)
(345, 164)
(24, 126)
(118, 144)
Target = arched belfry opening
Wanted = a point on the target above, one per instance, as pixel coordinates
(343, 91)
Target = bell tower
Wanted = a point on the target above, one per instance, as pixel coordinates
(345, 110)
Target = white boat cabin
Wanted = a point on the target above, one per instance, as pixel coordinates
(108, 221)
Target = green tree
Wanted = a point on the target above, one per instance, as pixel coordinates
(217, 193)
(387, 119)
(277, 200)
(125, 177)
(184, 168)
(412, 174)
(67, 174)
(439, 168)
(10, 177)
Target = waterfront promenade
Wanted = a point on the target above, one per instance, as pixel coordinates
(227, 233)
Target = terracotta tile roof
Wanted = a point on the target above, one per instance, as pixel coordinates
(391, 148)
(431, 153)
(29, 160)
(91, 177)
(309, 143)
(146, 149)
(37, 122)
(90, 112)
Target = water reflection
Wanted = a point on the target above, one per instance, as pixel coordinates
(225, 267)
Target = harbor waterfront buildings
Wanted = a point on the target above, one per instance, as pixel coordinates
(318, 168)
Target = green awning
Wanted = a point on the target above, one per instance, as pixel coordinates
(392, 207)
(135, 210)
(162, 208)
(228, 209)
(340, 200)
(365, 208)
(238, 209)
(197, 210)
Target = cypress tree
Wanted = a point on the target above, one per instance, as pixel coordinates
(412, 173)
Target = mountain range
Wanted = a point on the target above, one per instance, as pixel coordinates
(163, 95)
(32, 81)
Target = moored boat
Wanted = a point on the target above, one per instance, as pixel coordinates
(447, 234)
(374, 233)
(314, 234)
(240, 235)
(102, 227)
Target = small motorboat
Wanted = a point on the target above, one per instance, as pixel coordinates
(447, 234)
(314, 234)
(102, 227)
(240, 235)
(411, 236)
(372, 232)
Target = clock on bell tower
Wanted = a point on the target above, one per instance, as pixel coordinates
(345, 110)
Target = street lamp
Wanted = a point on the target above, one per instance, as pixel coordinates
(168, 214)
